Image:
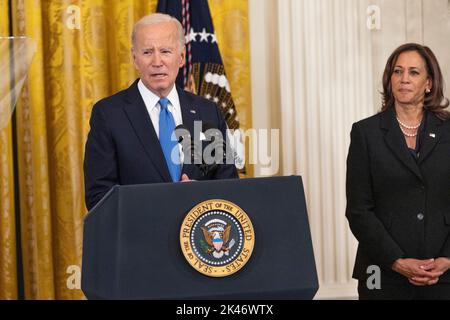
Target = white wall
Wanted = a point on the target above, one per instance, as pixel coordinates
(316, 69)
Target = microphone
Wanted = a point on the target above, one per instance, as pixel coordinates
(214, 153)
(184, 138)
(192, 150)
(182, 133)
(219, 144)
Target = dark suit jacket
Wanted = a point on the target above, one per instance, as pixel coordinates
(398, 207)
(123, 148)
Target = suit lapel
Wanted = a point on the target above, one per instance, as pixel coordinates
(140, 120)
(190, 113)
(431, 137)
(396, 142)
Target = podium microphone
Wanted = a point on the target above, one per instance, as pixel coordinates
(219, 143)
(192, 151)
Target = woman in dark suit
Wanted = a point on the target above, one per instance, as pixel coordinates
(398, 184)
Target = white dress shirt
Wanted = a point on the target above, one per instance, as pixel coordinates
(151, 101)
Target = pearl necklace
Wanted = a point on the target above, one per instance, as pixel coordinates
(408, 134)
(408, 127)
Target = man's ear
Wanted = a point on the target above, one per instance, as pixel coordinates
(182, 58)
(133, 54)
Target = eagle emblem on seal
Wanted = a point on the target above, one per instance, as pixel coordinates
(216, 233)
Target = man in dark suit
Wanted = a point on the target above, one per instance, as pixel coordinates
(130, 138)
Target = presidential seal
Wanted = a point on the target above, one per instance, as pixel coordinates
(217, 238)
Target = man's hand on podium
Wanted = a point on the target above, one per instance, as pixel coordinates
(185, 178)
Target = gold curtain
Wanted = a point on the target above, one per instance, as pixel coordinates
(8, 273)
(230, 19)
(83, 55)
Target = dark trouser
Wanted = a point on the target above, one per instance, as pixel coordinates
(439, 291)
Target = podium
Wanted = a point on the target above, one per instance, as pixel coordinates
(131, 245)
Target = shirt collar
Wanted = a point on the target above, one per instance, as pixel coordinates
(173, 98)
(151, 99)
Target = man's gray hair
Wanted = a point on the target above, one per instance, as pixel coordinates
(155, 18)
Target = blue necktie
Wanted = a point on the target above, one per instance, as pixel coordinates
(169, 146)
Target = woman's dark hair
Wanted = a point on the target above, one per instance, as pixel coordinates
(434, 101)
